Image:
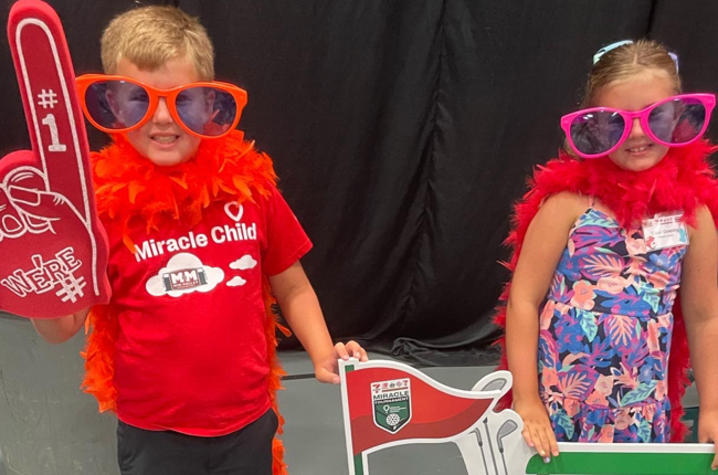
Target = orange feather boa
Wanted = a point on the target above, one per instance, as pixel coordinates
(683, 180)
(130, 189)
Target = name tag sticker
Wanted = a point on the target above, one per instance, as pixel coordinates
(665, 230)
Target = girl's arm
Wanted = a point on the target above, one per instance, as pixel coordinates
(300, 307)
(543, 245)
(58, 330)
(699, 300)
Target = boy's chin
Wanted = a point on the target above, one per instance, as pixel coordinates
(168, 160)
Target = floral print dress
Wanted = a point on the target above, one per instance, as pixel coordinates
(605, 332)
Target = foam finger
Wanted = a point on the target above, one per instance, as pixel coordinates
(58, 166)
(47, 86)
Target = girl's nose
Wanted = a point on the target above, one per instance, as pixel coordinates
(636, 129)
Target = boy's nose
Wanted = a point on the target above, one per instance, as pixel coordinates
(162, 113)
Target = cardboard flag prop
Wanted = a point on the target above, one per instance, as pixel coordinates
(53, 245)
(386, 404)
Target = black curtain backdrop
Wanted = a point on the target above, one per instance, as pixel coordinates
(402, 132)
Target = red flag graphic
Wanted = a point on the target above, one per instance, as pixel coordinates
(386, 405)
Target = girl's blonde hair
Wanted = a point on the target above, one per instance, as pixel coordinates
(152, 35)
(626, 61)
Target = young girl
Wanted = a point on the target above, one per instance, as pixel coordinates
(608, 239)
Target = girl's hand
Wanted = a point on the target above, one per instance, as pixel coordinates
(537, 427)
(708, 431)
(327, 370)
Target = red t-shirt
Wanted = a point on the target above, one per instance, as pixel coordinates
(191, 351)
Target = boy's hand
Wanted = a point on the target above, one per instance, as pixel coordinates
(537, 432)
(327, 371)
(708, 431)
(53, 246)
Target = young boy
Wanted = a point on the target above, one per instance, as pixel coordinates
(199, 238)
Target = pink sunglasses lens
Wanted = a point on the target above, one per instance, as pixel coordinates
(678, 121)
(596, 132)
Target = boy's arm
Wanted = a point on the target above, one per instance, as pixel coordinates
(699, 302)
(58, 330)
(301, 309)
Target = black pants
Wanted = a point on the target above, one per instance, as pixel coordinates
(247, 451)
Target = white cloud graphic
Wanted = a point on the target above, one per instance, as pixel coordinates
(184, 274)
(236, 281)
(243, 263)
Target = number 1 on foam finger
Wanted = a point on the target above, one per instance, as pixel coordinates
(55, 145)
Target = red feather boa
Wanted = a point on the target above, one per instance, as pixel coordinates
(129, 188)
(682, 180)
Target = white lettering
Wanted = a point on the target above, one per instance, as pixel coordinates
(392, 395)
(67, 257)
(18, 283)
(55, 146)
(217, 235)
(46, 275)
(144, 252)
(231, 234)
(42, 282)
(252, 232)
(172, 245)
(54, 270)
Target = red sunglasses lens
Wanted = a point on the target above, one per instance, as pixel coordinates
(115, 104)
(207, 111)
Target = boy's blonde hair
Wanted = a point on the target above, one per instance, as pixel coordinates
(626, 61)
(152, 35)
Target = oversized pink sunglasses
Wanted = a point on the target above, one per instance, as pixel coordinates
(674, 121)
